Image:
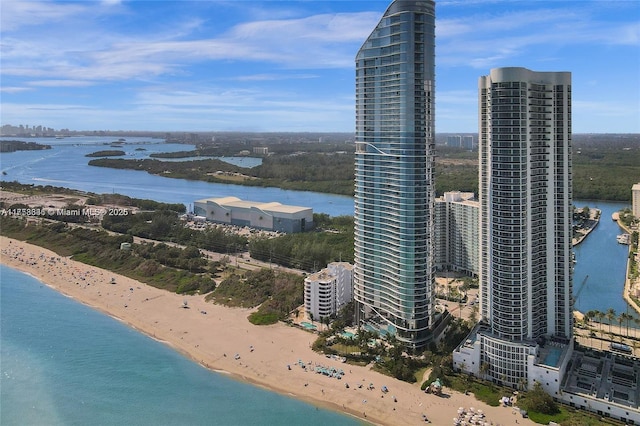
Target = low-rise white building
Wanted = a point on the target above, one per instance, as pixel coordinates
(254, 214)
(327, 291)
(516, 364)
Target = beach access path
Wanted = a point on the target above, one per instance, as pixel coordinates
(222, 339)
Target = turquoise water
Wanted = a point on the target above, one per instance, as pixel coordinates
(553, 357)
(66, 364)
(308, 325)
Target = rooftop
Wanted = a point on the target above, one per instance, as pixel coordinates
(245, 204)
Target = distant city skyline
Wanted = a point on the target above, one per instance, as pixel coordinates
(288, 65)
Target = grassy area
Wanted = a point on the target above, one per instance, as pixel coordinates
(343, 349)
(98, 248)
(486, 392)
(490, 394)
(420, 373)
(569, 416)
(544, 419)
(276, 294)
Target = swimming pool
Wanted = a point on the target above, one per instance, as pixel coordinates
(308, 325)
(553, 357)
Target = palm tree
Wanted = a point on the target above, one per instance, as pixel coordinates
(522, 383)
(600, 316)
(586, 321)
(590, 315)
(620, 321)
(328, 321)
(484, 369)
(627, 317)
(611, 315)
(473, 318)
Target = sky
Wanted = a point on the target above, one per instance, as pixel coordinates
(288, 66)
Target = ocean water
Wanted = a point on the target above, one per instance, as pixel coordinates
(63, 363)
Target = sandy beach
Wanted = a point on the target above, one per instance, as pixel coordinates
(223, 340)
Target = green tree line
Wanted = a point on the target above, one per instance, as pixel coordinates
(310, 251)
(165, 225)
(600, 171)
(158, 265)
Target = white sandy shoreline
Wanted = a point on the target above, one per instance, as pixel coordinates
(213, 339)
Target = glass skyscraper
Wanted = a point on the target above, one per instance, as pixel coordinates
(394, 187)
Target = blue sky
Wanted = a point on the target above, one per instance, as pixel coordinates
(289, 65)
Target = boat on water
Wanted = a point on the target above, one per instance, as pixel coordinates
(624, 239)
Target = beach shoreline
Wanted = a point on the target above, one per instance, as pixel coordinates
(276, 357)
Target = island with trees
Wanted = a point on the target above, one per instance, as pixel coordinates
(13, 146)
(107, 153)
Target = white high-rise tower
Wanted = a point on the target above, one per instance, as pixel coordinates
(525, 196)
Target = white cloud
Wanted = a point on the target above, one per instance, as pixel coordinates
(176, 58)
(321, 41)
(486, 40)
(274, 77)
(14, 89)
(59, 83)
(17, 13)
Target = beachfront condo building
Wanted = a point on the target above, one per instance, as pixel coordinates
(456, 233)
(328, 291)
(394, 188)
(525, 196)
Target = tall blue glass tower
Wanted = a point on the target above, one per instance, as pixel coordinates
(394, 184)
